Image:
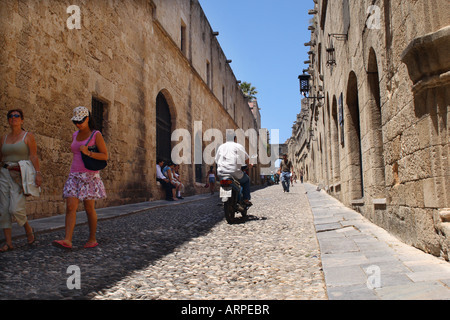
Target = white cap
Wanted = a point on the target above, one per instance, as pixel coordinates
(79, 113)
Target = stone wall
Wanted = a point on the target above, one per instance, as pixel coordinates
(388, 158)
(124, 55)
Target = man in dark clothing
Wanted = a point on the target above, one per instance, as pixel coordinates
(285, 171)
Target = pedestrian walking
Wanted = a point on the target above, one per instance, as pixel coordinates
(211, 179)
(16, 146)
(83, 184)
(285, 171)
(301, 175)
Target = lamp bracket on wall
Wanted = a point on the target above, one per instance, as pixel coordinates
(318, 98)
(339, 36)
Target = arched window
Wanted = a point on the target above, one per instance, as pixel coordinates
(163, 129)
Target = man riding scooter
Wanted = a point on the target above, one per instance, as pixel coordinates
(230, 157)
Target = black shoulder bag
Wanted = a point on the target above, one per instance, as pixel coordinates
(91, 163)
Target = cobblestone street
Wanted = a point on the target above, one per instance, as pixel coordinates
(181, 252)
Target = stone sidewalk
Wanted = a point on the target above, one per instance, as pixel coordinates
(362, 261)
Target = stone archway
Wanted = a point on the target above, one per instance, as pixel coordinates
(353, 136)
(163, 128)
(335, 141)
(375, 127)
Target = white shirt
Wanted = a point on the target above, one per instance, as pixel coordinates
(28, 173)
(230, 157)
(159, 174)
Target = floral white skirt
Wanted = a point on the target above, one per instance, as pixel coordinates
(84, 186)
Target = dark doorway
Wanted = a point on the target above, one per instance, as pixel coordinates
(335, 141)
(163, 129)
(375, 127)
(354, 138)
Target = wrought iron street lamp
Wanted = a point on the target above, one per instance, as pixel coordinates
(331, 56)
(304, 86)
(331, 51)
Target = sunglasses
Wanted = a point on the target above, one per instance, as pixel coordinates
(79, 122)
(14, 116)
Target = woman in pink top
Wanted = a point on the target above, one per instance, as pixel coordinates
(83, 184)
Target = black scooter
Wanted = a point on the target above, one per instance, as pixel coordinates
(232, 197)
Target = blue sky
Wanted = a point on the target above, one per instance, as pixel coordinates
(265, 39)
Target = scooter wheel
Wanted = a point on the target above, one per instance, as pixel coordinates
(229, 212)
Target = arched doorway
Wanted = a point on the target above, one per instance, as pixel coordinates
(329, 145)
(335, 139)
(353, 127)
(375, 126)
(163, 129)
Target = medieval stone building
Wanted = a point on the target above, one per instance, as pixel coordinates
(373, 130)
(144, 67)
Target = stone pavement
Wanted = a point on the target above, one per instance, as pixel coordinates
(58, 222)
(298, 245)
(362, 261)
(182, 251)
(274, 255)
